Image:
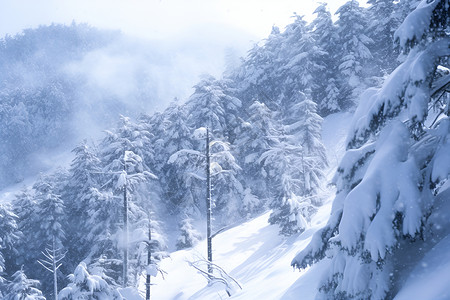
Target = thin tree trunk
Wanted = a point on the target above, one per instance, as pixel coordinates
(125, 229)
(55, 277)
(149, 259)
(208, 202)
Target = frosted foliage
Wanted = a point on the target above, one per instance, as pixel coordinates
(121, 180)
(396, 162)
(391, 180)
(408, 83)
(22, 288)
(416, 23)
(441, 164)
(189, 236)
(250, 202)
(86, 286)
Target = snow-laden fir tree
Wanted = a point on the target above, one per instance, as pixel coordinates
(50, 235)
(189, 236)
(256, 135)
(25, 207)
(256, 77)
(294, 167)
(306, 127)
(22, 288)
(85, 174)
(86, 286)
(323, 31)
(383, 21)
(301, 60)
(9, 235)
(213, 105)
(227, 189)
(396, 163)
(355, 53)
(282, 166)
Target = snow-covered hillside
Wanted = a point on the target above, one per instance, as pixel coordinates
(254, 253)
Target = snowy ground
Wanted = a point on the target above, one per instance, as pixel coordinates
(253, 253)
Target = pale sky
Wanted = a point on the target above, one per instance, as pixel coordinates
(157, 19)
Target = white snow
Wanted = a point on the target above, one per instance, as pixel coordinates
(430, 278)
(252, 253)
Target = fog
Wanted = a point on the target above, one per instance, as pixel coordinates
(160, 53)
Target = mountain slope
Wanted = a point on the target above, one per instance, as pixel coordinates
(254, 253)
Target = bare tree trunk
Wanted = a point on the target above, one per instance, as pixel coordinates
(55, 277)
(149, 258)
(208, 202)
(125, 229)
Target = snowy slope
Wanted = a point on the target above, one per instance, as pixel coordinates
(253, 253)
(259, 259)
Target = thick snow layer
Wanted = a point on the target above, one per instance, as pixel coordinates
(430, 278)
(252, 253)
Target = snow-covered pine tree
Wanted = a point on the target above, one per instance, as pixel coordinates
(323, 31)
(355, 53)
(282, 166)
(301, 60)
(177, 136)
(189, 236)
(104, 222)
(227, 190)
(255, 136)
(50, 234)
(25, 207)
(9, 235)
(396, 163)
(256, 78)
(212, 105)
(383, 21)
(305, 126)
(86, 286)
(85, 174)
(22, 288)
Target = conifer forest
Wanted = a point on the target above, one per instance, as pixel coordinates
(323, 149)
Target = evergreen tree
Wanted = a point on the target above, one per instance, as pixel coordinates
(227, 190)
(85, 174)
(86, 286)
(256, 77)
(355, 53)
(393, 170)
(52, 222)
(326, 93)
(255, 136)
(301, 61)
(383, 21)
(213, 105)
(9, 235)
(22, 288)
(282, 165)
(189, 236)
(25, 207)
(307, 130)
